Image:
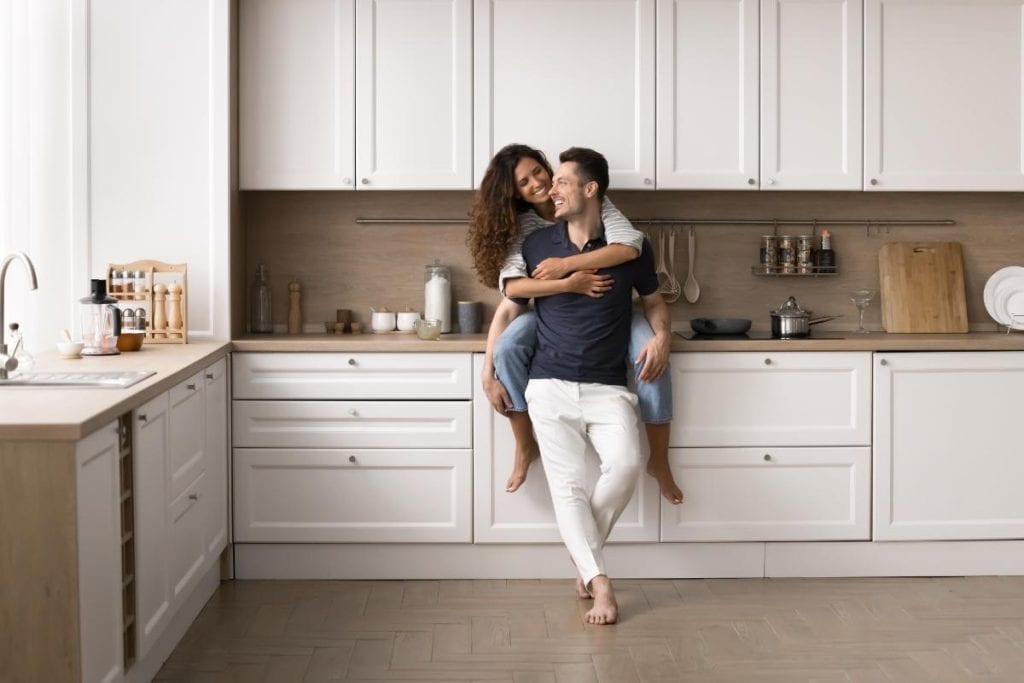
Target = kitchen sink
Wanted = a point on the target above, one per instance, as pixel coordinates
(108, 380)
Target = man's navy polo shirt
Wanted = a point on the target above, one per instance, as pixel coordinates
(581, 338)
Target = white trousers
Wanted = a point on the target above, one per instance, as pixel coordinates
(565, 414)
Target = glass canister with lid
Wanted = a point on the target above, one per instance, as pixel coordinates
(437, 287)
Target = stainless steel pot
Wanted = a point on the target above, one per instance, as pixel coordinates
(792, 322)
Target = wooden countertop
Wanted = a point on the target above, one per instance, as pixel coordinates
(831, 341)
(69, 413)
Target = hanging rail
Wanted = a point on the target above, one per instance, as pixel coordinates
(866, 222)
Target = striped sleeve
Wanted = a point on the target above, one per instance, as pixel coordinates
(618, 229)
(515, 264)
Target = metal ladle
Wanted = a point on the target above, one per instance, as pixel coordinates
(691, 290)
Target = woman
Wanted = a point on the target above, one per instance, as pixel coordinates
(512, 202)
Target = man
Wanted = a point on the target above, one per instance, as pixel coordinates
(577, 389)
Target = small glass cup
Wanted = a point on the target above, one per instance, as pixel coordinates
(861, 298)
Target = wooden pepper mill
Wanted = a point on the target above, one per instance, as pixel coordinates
(159, 312)
(294, 307)
(174, 319)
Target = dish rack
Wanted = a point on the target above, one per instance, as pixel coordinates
(164, 295)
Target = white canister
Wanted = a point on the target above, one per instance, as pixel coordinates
(438, 295)
(407, 320)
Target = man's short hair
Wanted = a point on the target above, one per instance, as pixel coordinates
(592, 166)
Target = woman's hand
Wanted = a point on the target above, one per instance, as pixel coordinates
(551, 268)
(496, 393)
(654, 357)
(589, 282)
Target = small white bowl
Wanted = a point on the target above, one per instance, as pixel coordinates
(71, 349)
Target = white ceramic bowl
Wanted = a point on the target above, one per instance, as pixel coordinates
(71, 349)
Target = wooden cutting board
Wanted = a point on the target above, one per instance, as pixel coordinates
(922, 287)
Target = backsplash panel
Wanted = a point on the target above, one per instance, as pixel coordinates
(313, 237)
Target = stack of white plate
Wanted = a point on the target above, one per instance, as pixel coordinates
(1004, 297)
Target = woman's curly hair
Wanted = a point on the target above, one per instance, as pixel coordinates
(493, 221)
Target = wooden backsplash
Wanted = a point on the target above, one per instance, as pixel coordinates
(313, 237)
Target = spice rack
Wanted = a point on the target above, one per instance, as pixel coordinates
(164, 295)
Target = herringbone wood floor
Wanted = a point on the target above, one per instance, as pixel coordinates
(787, 630)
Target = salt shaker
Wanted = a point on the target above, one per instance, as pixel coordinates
(438, 295)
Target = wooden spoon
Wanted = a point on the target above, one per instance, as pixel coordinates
(691, 290)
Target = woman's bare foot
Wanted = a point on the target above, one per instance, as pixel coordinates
(524, 456)
(666, 482)
(605, 610)
(581, 590)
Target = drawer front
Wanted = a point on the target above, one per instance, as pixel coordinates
(186, 445)
(771, 399)
(352, 424)
(352, 375)
(770, 494)
(400, 496)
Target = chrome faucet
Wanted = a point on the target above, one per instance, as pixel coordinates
(10, 363)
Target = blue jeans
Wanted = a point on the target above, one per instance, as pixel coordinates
(513, 353)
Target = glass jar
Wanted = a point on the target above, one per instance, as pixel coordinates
(140, 285)
(437, 295)
(260, 319)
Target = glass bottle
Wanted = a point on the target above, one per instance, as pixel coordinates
(260, 319)
(438, 295)
(16, 345)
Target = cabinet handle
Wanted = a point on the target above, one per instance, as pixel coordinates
(874, 181)
(193, 496)
(142, 417)
(750, 181)
(352, 412)
(648, 181)
(767, 361)
(767, 457)
(883, 362)
(351, 361)
(365, 181)
(190, 387)
(351, 458)
(346, 181)
(209, 375)
(771, 181)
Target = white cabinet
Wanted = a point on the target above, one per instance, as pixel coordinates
(186, 427)
(339, 94)
(811, 107)
(943, 92)
(368, 447)
(216, 532)
(558, 73)
(707, 114)
(770, 447)
(527, 516)
(947, 449)
(98, 493)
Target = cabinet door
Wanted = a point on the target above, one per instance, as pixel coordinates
(943, 92)
(216, 504)
(368, 496)
(414, 107)
(98, 489)
(527, 516)
(557, 73)
(770, 494)
(186, 556)
(152, 581)
(811, 65)
(707, 94)
(296, 94)
(186, 445)
(947, 449)
(771, 399)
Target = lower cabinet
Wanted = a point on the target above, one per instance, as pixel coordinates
(770, 494)
(526, 516)
(947, 446)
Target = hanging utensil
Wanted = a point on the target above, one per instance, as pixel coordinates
(691, 290)
(672, 290)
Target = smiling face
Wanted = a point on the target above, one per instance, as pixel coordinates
(533, 182)
(569, 193)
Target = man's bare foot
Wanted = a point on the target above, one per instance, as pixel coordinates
(663, 474)
(581, 590)
(524, 456)
(605, 610)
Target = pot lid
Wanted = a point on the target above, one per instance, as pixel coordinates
(98, 293)
(791, 309)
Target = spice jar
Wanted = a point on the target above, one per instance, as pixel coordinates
(438, 295)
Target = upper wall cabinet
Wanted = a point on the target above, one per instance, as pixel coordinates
(707, 94)
(560, 73)
(339, 94)
(811, 60)
(943, 95)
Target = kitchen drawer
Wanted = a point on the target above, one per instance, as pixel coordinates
(770, 494)
(379, 496)
(771, 399)
(352, 375)
(352, 424)
(186, 426)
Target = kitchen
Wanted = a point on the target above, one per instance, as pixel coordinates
(195, 194)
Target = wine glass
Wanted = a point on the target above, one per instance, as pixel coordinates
(861, 298)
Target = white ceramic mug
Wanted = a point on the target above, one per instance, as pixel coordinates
(382, 320)
(407, 320)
